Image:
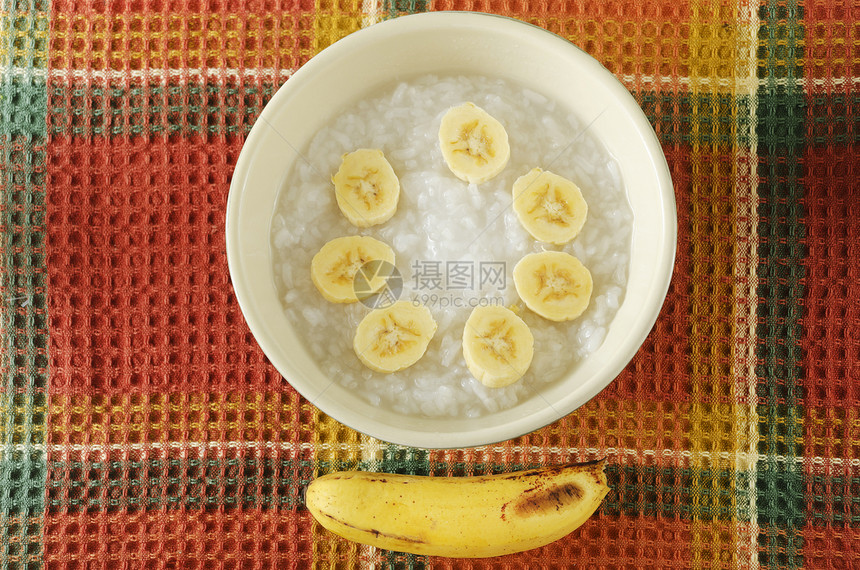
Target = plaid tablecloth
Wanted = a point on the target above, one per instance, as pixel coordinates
(142, 426)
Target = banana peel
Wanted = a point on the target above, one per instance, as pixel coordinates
(468, 517)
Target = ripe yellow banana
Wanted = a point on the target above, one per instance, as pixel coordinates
(497, 345)
(553, 284)
(474, 143)
(551, 208)
(395, 337)
(334, 267)
(366, 188)
(472, 517)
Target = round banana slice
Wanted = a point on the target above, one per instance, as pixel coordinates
(474, 144)
(549, 207)
(553, 284)
(334, 267)
(497, 346)
(366, 188)
(395, 337)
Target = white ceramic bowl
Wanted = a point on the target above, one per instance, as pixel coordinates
(441, 43)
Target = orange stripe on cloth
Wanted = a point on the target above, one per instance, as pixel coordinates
(829, 547)
(183, 538)
(112, 423)
(87, 39)
(140, 299)
(641, 43)
(604, 426)
(656, 431)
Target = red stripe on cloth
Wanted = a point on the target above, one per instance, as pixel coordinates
(184, 539)
(830, 31)
(139, 293)
(828, 548)
(831, 324)
(661, 368)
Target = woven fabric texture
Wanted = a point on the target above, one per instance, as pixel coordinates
(142, 427)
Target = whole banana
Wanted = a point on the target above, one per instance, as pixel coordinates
(470, 517)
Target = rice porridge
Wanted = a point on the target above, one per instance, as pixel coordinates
(456, 244)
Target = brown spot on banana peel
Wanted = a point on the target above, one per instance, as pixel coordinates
(539, 498)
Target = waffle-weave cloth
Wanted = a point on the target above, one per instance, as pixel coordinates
(142, 427)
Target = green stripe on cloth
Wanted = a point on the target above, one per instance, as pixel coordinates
(673, 118)
(22, 481)
(23, 105)
(780, 49)
(392, 8)
(407, 460)
(834, 119)
(211, 107)
(23, 316)
(201, 107)
(781, 114)
(219, 483)
(266, 482)
(834, 501)
(24, 359)
(406, 561)
(676, 492)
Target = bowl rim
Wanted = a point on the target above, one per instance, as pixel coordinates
(537, 419)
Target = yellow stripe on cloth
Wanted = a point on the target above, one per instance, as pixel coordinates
(712, 293)
(18, 432)
(720, 78)
(336, 19)
(173, 40)
(277, 418)
(340, 448)
(24, 43)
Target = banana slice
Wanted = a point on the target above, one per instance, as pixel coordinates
(366, 188)
(497, 346)
(474, 144)
(334, 267)
(549, 207)
(553, 284)
(395, 337)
